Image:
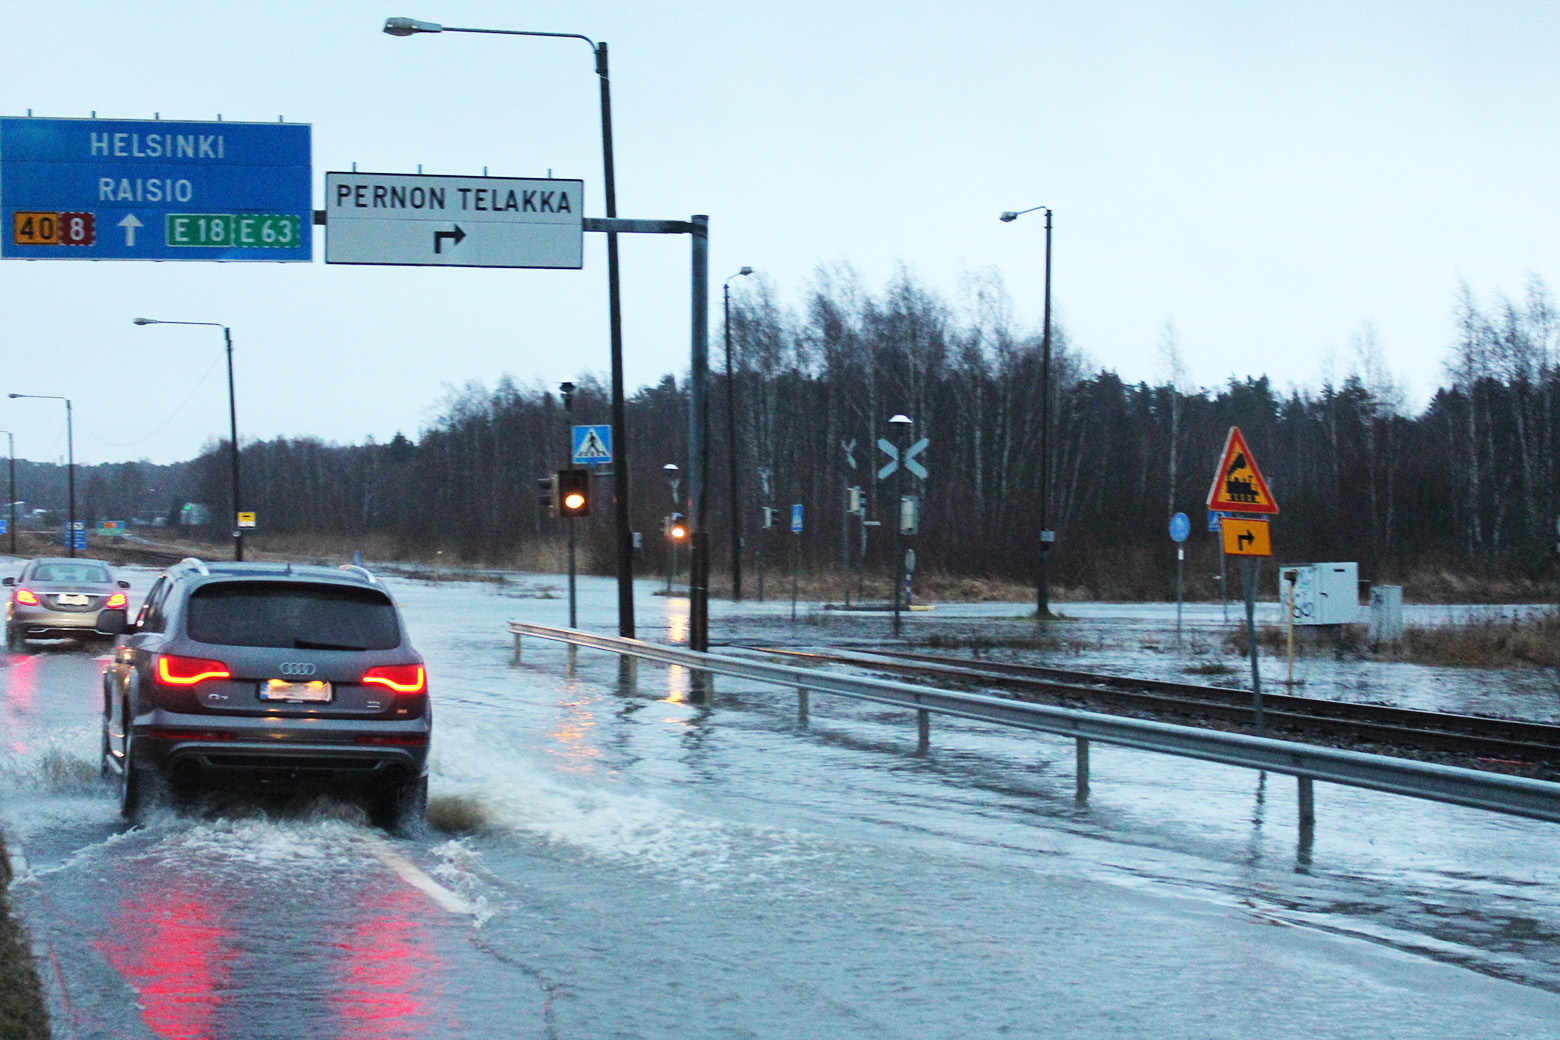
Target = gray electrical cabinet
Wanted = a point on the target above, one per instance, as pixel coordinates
(1325, 593)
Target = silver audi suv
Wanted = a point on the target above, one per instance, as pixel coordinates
(56, 598)
(269, 676)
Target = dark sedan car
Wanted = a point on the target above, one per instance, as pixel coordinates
(269, 676)
(56, 598)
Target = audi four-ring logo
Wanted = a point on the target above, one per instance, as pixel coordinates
(296, 668)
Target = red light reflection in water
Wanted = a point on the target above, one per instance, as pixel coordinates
(21, 689)
(387, 970)
(176, 951)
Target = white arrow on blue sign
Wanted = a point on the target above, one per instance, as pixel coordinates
(1180, 527)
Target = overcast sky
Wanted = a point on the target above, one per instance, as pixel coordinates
(1268, 177)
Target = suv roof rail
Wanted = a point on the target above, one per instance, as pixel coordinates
(368, 575)
(196, 562)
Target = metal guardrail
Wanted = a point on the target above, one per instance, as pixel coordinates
(1516, 796)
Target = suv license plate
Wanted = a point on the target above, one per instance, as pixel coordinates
(71, 599)
(281, 690)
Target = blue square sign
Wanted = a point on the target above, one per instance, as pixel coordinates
(151, 189)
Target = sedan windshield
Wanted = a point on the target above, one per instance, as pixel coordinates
(293, 615)
(77, 573)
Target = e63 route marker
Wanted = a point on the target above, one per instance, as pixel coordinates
(1245, 537)
(150, 189)
(441, 221)
(1238, 486)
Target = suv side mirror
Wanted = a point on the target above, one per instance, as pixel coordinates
(7, 581)
(123, 584)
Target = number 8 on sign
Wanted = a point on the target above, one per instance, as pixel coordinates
(53, 229)
(77, 229)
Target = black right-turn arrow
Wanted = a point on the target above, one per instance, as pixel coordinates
(457, 236)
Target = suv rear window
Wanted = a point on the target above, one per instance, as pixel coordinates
(294, 615)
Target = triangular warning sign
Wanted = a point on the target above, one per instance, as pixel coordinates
(591, 449)
(1238, 486)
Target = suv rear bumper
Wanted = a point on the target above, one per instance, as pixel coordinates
(41, 623)
(201, 750)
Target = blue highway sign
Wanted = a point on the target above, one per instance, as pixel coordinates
(136, 189)
(592, 444)
(1180, 527)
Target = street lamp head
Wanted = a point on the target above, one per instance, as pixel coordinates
(745, 270)
(670, 467)
(146, 321)
(410, 26)
(901, 420)
(1008, 215)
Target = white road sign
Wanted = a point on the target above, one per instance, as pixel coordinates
(413, 219)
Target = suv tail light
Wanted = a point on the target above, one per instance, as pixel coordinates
(402, 678)
(117, 601)
(173, 670)
(23, 596)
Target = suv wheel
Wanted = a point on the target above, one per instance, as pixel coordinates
(132, 783)
(402, 807)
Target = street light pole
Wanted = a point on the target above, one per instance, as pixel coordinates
(1047, 536)
(731, 445)
(227, 339)
(620, 456)
(10, 486)
(70, 472)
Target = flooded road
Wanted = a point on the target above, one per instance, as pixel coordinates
(634, 864)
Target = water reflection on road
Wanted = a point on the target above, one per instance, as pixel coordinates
(643, 863)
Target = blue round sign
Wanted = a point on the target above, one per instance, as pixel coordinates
(1180, 527)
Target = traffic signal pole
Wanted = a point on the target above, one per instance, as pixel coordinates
(573, 620)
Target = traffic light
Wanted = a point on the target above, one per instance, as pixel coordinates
(853, 500)
(548, 499)
(573, 492)
(770, 515)
(676, 530)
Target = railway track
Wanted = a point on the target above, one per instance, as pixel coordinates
(1492, 740)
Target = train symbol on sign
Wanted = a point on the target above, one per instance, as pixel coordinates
(1238, 489)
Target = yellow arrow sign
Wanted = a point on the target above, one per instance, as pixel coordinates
(1245, 537)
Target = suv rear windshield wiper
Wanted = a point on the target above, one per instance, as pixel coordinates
(309, 644)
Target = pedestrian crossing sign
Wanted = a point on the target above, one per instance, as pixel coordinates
(592, 445)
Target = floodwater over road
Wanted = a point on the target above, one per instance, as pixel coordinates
(644, 865)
